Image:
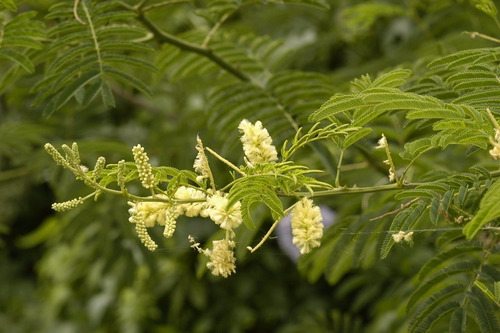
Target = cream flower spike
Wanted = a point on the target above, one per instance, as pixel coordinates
(307, 225)
(143, 167)
(257, 143)
(150, 213)
(495, 152)
(201, 162)
(190, 209)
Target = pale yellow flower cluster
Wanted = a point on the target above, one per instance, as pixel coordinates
(307, 225)
(67, 205)
(226, 218)
(170, 222)
(150, 213)
(143, 167)
(141, 230)
(165, 214)
(221, 258)
(382, 144)
(201, 162)
(58, 158)
(194, 208)
(257, 143)
(495, 152)
(146, 214)
(401, 235)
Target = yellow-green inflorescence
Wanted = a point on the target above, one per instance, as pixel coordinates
(58, 158)
(188, 200)
(144, 169)
(145, 238)
(67, 205)
(221, 259)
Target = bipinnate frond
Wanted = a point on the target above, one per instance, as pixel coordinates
(250, 54)
(21, 37)
(488, 211)
(218, 9)
(9, 4)
(284, 103)
(265, 182)
(448, 289)
(92, 49)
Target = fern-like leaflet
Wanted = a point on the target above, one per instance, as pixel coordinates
(9, 4)
(20, 39)
(92, 47)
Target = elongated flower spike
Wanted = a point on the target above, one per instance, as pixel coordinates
(382, 144)
(58, 158)
(307, 225)
(72, 159)
(143, 167)
(76, 152)
(120, 176)
(170, 222)
(67, 205)
(99, 166)
(193, 208)
(150, 213)
(142, 232)
(257, 143)
(201, 165)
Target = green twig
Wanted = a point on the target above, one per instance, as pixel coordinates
(269, 232)
(337, 173)
(229, 164)
(165, 37)
(161, 4)
(355, 190)
(214, 29)
(483, 36)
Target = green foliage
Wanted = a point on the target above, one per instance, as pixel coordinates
(438, 296)
(487, 212)
(20, 37)
(9, 4)
(88, 51)
(361, 17)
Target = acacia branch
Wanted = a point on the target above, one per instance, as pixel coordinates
(165, 37)
(356, 190)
